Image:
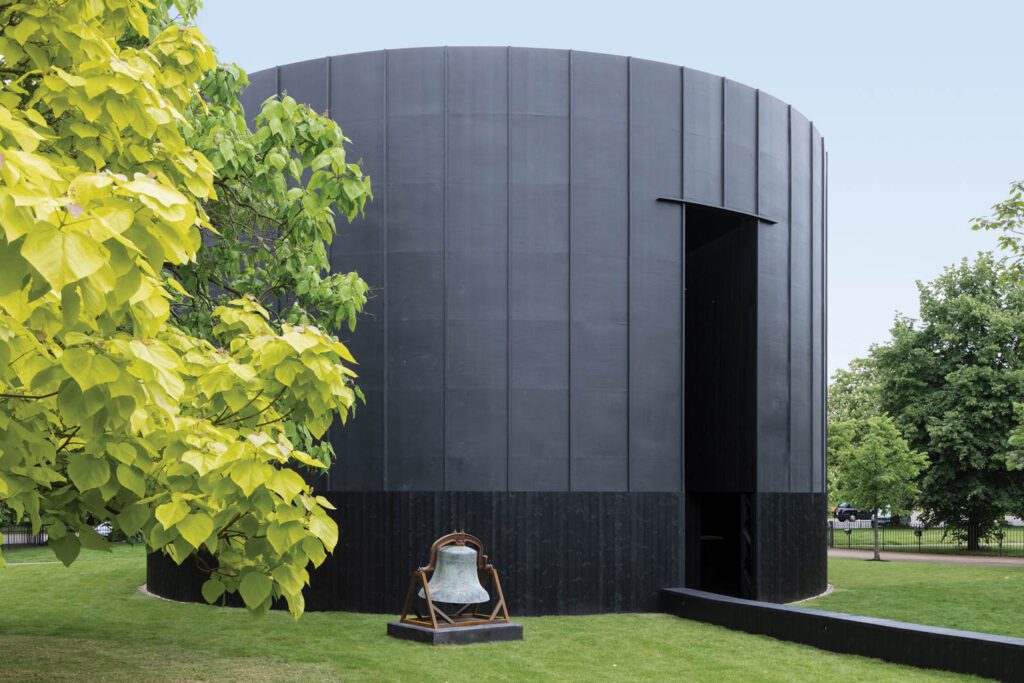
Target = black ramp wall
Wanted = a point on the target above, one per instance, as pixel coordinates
(523, 352)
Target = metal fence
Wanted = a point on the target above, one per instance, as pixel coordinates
(21, 534)
(1004, 541)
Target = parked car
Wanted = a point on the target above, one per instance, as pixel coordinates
(845, 512)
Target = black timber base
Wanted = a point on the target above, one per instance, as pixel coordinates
(556, 552)
(791, 546)
(457, 635)
(967, 652)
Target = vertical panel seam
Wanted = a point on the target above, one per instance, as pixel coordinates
(722, 146)
(757, 151)
(757, 285)
(508, 264)
(789, 298)
(444, 310)
(682, 283)
(384, 246)
(823, 366)
(327, 90)
(629, 265)
(682, 135)
(810, 317)
(569, 271)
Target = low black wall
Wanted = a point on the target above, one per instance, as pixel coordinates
(979, 654)
(557, 552)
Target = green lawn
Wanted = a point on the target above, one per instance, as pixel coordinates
(960, 596)
(90, 622)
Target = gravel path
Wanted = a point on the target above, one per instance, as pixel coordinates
(840, 553)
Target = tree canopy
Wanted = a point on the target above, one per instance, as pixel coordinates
(876, 469)
(950, 382)
(108, 410)
(854, 392)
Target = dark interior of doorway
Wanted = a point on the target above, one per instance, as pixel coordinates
(720, 400)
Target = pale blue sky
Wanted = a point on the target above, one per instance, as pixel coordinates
(921, 103)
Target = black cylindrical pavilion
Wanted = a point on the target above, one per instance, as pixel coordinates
(597, 332)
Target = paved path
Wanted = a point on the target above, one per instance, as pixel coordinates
(986, 561)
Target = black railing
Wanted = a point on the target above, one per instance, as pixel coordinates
(1003, 541)
(21, 534)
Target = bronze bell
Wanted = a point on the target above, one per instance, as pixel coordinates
(456, 579)
(452, 577)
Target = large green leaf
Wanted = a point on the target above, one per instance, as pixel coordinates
(61, 256)
(88, 368)
(254, 588)
(171, 513)
(212, 589)
(131, 479)
(284, 536)
(88, 472)
(66, 548)
(324, 528)
(249, 475)
(133, 517)
(195, 528)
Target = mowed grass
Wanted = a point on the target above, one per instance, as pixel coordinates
(90, 622)
(968, 597)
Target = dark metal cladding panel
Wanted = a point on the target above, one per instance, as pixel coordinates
(476, 403)
(416, 268)
(740, 147)
(655, 270)
(702, 137)
(800, 360)
(357, 92)
(262, 84)
(365, 234)
(817, 314)
(773, 297)
(358, 87)
(538, 278)
(306, 82)
(599, 240)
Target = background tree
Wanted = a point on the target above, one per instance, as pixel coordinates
(853, 394)
(1007, 217)
(949, 382)
(108, 411)
(876, 468)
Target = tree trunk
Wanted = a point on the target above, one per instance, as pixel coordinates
(874, 526)
(973, 536)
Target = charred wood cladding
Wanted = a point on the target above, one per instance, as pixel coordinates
(596, 337)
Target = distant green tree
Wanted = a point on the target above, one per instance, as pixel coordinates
(875, 467)
(1007, 217)
(950, 382)
(853, 394)
(7, 515)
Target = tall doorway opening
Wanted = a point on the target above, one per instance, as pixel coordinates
(720, 398)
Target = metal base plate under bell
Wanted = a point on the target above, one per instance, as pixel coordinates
(457, 635)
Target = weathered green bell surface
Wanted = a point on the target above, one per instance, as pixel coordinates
(456, 579)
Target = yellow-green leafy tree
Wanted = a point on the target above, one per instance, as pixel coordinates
(108, 411)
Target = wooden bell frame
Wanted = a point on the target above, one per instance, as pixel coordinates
(438, 618)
